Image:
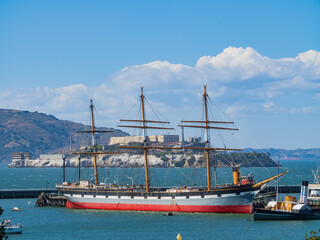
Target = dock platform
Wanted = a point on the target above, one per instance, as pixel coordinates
(24, 193)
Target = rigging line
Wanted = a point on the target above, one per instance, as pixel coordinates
(255, 156)
(203, 118)
(274, 181)
(156, 181)
(183, 174)
(104, 121)
(237, 127)
(185, 178)
(123, 116)
(165, 175)
(252, 168)
(196, 105)
(229, 154)
(199, 176)
(248, 137)
(226, 159)
(219, 108)
(192, 174)
(124, 170)
(191, 171)
(88, 121)
(155, 113)
(244, 158)
(225, 154)
(219, 131)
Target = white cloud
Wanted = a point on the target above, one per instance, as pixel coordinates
(304, 110)
(241, 78)
(240, 110)
(268, 105)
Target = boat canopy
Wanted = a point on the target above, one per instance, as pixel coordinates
(301, 208)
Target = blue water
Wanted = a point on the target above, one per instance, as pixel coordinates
(62, 223)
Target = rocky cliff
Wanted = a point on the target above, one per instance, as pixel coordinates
(188, 159)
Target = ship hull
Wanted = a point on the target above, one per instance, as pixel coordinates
(162, 207)
(206, 202)
(264, 214)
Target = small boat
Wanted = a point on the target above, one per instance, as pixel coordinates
(289, 209)
(299, 212)
(315, 187)
(12, 228)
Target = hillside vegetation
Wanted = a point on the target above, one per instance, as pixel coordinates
(39, 133)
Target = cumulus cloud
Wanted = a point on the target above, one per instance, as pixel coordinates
(240, 78)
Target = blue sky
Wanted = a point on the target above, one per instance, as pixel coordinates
(260, 60)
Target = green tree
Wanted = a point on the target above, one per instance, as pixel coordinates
(180, 163)
(191, 161)
(314, 235)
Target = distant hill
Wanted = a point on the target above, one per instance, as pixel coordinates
(39, 133)
(292, 154)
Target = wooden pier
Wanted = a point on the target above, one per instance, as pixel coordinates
(24, 193)
(51, 200)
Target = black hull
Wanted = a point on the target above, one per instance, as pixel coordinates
(264, 214)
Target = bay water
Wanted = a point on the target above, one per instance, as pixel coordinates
(63, 223)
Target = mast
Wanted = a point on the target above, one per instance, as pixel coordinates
(79, 170)
(144, 142)
(94, 146)
(207, 147)
(94, 153)
(277, 190)
(207, 144)
(145, 146)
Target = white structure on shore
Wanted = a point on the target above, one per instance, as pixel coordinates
(153, 139)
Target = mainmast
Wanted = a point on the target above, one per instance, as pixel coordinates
(145, 146)
(207, 144)
(207, 147)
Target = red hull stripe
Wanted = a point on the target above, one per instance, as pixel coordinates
(163, 208)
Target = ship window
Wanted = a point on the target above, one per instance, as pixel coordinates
(106, 196)
(237, 193)
(219, 194)
(82, 195)
(202, 196)
(94, 195)
(71, 194)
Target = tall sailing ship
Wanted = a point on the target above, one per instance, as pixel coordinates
(228, 198)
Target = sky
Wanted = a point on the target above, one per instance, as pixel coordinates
(260, 61)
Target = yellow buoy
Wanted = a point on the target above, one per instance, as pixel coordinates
(179, 236)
